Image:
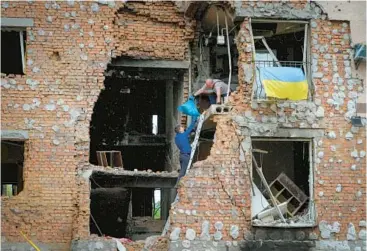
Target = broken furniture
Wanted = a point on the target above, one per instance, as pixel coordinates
(258, 202)
(262, 177)
(269, 215)
(284, 190)
(109, 158)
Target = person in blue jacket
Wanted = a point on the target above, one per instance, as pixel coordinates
(183, 143)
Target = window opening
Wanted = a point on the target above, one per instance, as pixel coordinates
(155, 124)
(12, 159)
(13, 45)
(157, 204)
(286, 167)
(121, 207)
(281, 55)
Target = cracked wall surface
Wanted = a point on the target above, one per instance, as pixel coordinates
(338, 147)
(67, 52)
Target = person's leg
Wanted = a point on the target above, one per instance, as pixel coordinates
(212, 99)
(184, 161)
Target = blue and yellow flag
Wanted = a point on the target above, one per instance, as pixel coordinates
(284, 82)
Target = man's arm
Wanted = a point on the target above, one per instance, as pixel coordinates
(218, 92)
(201, 90)
(191, 126)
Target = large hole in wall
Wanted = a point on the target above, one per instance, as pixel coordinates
(131, 116)
(212, 59)
(206, 140)
(122, 121)
(286, 168)
(134, 115)
(12, 159)
(120, 208)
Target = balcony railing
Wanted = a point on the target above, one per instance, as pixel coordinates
(271, 63)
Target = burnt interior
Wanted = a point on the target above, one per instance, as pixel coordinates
(131, 116)
(12, 160)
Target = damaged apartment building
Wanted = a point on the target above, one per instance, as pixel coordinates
(90, 91)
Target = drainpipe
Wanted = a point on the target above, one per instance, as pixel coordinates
(229, 57)
(217, 22)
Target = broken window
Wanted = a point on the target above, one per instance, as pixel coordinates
(281, 60)
(13, 44)
(282, 175)
(12, 158)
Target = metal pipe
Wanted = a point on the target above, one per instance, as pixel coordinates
(217, 22)
(188, 122)
(229, 57)
(190, 79)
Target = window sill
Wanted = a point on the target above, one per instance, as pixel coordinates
(285, 225)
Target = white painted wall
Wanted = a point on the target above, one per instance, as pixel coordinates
(354, 12)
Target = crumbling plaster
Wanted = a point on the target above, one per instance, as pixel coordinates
(53, 102)
(324, 119)
(279, 9)
(57, 95)
(353, 12)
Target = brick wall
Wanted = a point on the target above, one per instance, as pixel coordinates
(220, 183)
(67, 52)
(161, 30)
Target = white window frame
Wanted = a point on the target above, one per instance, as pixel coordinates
(311, 201)
(20, 25)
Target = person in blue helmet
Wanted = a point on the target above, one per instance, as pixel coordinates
(182, 140)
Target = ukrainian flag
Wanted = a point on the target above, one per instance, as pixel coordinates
(284, 82)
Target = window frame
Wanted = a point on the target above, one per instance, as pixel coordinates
(306, 56)
(22, 42)
(20, 183)
(311, 178)
(20, 25)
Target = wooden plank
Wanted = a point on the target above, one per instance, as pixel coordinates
(270, 52)
(118, 159)
(292, 188)
(273, 211)
(111, 159)
(101, 158)
(259, 151)
(259, 171)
